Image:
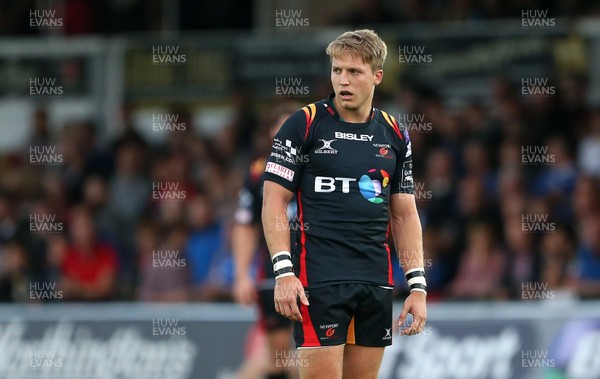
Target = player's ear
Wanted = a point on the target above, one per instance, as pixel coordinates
(378, 77)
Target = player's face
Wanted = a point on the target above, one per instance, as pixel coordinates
(353, 82)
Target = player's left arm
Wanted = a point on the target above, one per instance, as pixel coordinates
(406, 229)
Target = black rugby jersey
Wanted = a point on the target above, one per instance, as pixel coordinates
(342, 174)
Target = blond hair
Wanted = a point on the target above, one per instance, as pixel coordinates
(364, 43)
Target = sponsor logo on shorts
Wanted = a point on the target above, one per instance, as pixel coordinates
(329, 330)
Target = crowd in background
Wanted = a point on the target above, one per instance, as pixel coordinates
(118, 16)
(508, 188)
(500, 218)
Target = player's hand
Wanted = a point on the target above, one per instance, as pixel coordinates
(415, 305)
(287, 291)
(244, 290)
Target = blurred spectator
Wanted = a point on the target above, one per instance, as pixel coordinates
(40, 133)
(129, 190)
(441, 184)
(557, 258)
(14, 273)
(523, 262)
(477, 162)
(164, 270)
(588, 153)
(557, 178)
(586, 197)
(588, 258)
(481, 267)
(9, 226)
(95, 199)
(89, 268)
(211, 267)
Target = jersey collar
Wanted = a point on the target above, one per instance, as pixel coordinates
(330, 106)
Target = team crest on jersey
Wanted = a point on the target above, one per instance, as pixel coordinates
(383, 150)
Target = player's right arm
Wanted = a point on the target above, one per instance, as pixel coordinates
(275, 225)
(282, 176)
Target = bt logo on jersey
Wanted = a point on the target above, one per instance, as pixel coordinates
(353, 137)
(370, 185)
(325, 184)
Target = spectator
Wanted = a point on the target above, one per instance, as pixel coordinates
(205, 247)
(588, 151)
(557, 259)
(524, 262)
(14, 273)
(588, 258)
(586, 197)
(89, 268)
(480, 271)
(128, 192)
(164, 270)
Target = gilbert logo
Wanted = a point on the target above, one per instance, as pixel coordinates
(326, 148)
(388, 334)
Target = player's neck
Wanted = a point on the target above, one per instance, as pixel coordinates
(356, 116)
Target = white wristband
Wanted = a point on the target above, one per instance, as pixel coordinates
(283, 252)
(282, 264)
(417, 279)
(284, 275)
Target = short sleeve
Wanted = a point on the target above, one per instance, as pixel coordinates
(288, 153)
(402, 181)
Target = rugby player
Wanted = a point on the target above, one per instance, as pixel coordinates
(351, 174)
(247, 240)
